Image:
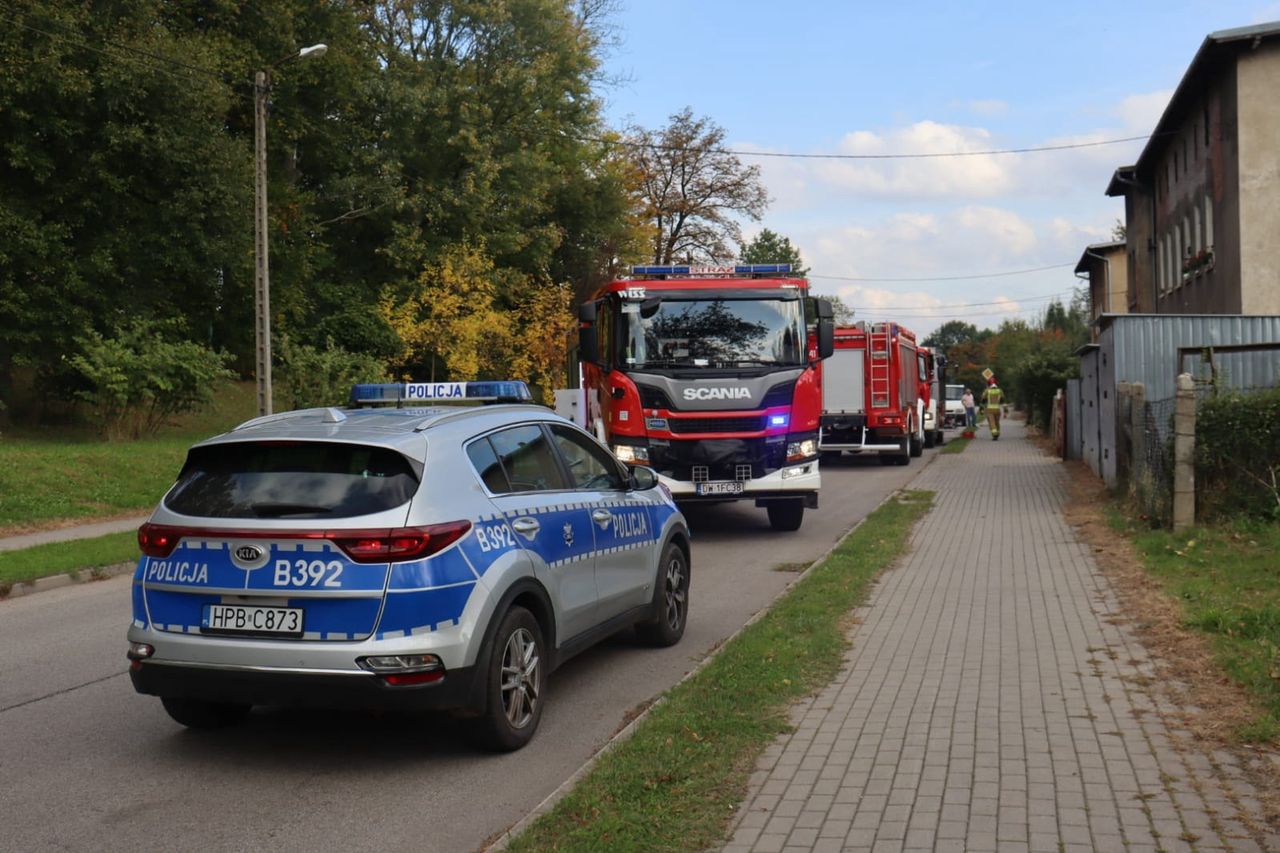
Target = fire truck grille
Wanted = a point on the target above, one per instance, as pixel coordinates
(684, 426)
(717, 459)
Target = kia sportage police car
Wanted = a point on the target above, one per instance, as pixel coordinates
(408, 556)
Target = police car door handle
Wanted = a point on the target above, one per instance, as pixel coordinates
(602, 515)
(526, 526)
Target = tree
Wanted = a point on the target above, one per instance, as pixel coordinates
(843, 313)
(951, 333)
(768, 247)
(1119, 231)
(692, 188)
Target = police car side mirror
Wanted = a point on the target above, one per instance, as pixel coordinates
(643, 479)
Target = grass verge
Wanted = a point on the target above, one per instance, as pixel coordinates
(50, 475)
(55, 558)
(675, 783)
(955, 445)
(1225, 581)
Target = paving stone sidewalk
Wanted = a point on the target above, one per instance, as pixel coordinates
(992, 702)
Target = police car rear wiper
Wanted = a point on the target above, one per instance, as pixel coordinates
(276, 510)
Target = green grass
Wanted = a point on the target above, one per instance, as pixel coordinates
(955, 445)
(675, 783)
(46, 475)
(1227, 579)
(58, 557)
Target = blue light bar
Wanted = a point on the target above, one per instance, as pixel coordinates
(505, 391)
(711, 269)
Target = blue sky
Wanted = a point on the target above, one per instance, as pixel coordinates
(895, 77)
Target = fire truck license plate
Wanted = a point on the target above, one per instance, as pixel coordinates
(729, 488)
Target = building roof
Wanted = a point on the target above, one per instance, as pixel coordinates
(1216, 47)
(1096, 248)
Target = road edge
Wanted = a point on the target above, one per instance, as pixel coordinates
(22, 589)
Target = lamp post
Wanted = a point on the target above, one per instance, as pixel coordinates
(262, 278)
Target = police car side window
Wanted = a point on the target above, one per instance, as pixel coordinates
(589, 464)
(527, 459)
(485, 460)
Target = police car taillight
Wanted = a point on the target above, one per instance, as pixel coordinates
(157, 541)
(404, 543)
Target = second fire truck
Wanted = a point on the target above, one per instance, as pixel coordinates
(709, 376)
(871, 400)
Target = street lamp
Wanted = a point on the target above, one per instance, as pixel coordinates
(262, 281)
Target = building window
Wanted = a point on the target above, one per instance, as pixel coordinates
(1195, 229)
(1208, 221)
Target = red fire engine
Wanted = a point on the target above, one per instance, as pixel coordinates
(709, 375)
(871, 397)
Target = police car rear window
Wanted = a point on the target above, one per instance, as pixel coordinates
(291, 480)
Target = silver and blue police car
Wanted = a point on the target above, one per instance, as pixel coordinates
(407, 556)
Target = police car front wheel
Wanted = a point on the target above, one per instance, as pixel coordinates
(514, 681)
(670, 600)
(201, 714)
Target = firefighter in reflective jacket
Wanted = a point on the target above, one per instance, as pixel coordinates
(992, 400)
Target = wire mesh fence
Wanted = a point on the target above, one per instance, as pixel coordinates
(1151, 460)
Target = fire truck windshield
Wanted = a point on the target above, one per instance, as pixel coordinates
(673, 332)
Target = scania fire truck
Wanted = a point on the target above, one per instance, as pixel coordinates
(708, 374)
(871, 393)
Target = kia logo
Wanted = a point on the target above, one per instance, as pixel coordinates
(249, 553)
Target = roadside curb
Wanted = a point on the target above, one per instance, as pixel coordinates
(628, 730)
(24, 588)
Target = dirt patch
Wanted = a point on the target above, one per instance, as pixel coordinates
(1212, 706)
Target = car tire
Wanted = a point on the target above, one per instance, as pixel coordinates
(203, 715)
(939, 438)
(786, 515)
(929, 438)
(670, 600)
(515, 679)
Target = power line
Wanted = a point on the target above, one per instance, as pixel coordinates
(1048, 296)
(921, 155)
(947, 277)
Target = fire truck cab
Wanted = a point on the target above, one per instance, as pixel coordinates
(708, 374)
(871, 393)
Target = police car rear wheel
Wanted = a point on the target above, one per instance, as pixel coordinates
(514, 682)
(670, 601)
(199, 714)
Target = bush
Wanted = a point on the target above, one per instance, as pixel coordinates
(323, 377)
(1238, 454)
(1037, 378)
(145, 374)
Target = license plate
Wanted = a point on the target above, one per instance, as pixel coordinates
(251, 619)
(730, 488)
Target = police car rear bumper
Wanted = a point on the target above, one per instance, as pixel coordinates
(458, 688)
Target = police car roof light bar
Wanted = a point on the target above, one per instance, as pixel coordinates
(504, 391)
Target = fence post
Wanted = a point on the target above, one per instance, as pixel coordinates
(1124, 436)
(1138, 437)
(1184, 454)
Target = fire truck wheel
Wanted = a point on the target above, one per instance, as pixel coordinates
(915, 445)
(904, 454)
(928, 438)
(786, 515)
(827, 457)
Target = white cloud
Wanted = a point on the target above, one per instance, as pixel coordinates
(1139, 113)
(988, 107)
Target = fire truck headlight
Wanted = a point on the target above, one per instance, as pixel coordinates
(631, 454)
(798, 451)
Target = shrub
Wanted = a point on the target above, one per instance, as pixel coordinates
(323, 377)
(143, 375)
(1238, 454)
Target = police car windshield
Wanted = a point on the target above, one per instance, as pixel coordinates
(710, 332)
(291, 480)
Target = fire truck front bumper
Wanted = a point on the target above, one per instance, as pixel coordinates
(800, 480)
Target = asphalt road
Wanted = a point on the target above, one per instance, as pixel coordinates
(87, 764)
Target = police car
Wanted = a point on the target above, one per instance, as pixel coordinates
(406, 556)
